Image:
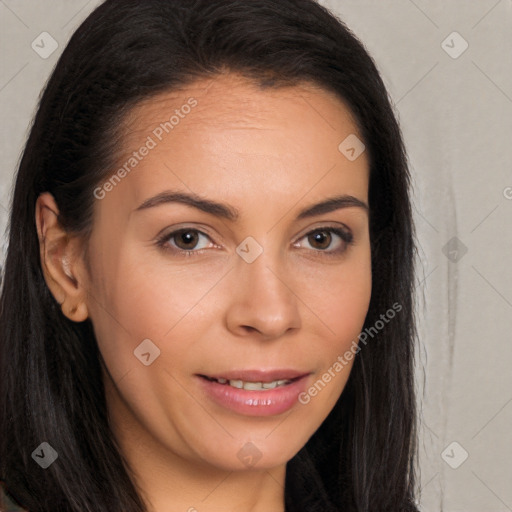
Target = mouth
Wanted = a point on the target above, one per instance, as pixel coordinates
(251, 385)
(255, 392)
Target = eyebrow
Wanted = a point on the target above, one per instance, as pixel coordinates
(230, 213)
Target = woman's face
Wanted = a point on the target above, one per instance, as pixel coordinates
(268, 288)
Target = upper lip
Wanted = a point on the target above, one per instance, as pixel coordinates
(258, 375)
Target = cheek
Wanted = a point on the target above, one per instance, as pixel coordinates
(340, 299)
(340, 296)
(348, 304)
(140, 298)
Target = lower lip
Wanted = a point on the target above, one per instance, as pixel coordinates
(254, 403)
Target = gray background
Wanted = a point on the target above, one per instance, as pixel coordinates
(455, 109)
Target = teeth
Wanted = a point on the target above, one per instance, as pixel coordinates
(254, 386)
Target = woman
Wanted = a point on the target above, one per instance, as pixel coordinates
(208, 291)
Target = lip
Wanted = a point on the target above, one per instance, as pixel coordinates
(254, 403)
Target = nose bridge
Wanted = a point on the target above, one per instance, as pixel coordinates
(263, 299)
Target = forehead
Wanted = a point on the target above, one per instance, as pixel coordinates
(235, 100)
(227, 134)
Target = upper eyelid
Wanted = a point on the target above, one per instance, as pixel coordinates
(327, 227)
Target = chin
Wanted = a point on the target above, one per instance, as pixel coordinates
(256, 449)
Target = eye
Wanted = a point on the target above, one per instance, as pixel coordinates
(328, 239)
(186, 241)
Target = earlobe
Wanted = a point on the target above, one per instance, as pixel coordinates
(59, 260)
(77, 313)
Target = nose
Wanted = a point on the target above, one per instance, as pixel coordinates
(263, 300)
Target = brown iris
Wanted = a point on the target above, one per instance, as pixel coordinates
(322, 239)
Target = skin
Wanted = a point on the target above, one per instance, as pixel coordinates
(269, 154)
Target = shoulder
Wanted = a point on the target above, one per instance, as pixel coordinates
(6, 504)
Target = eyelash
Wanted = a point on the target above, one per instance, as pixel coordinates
(346, 237)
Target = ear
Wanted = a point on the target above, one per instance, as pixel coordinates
(61, 260)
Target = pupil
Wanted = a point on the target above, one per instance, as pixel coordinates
(322, 239)
(187, 237)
